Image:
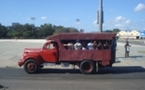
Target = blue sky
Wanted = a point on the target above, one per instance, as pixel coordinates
(121, 14)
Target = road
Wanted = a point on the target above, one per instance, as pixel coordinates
(99, 84)
(115, 78)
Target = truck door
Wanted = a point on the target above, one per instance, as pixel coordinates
(50, 52)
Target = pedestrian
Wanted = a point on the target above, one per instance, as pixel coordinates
(127, 49)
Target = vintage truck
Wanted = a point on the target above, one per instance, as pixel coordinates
(56, 51)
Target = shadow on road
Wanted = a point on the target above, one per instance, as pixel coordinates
(121, 70)
(60, 71)
(106, 70)
(132, 57)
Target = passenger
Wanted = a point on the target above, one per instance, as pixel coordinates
(65, 45)
(106, 45)
(70, 46)
(95, 45)
(90, 46)
(99, 46)
(77, 45)
(84, 46)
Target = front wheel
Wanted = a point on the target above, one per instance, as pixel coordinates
(87, 67)
(31, 66)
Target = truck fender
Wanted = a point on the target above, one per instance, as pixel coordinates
(37, 58)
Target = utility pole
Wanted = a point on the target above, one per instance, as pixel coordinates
(100, 16)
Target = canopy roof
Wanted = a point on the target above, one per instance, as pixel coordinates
(82, 36)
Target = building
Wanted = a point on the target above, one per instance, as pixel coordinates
(15, 24)
(134, 34)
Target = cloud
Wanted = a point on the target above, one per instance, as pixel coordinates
(139, 7)
(43, 17)
(121, 22)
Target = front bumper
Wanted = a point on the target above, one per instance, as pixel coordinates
(20, 63)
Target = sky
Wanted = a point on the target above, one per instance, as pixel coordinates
(121, 14)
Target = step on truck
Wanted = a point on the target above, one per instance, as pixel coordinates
(90, 51)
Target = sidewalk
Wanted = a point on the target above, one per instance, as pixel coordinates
(11, 51)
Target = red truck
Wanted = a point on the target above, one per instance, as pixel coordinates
(100, 51)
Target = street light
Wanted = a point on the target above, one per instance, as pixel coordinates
(77, 22)
(33, 19)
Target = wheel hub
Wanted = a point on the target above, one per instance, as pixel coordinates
(31, 66)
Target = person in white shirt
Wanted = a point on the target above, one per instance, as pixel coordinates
(90, 46)
(77, 45)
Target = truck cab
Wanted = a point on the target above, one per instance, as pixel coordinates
(50, 52)
(33, 58)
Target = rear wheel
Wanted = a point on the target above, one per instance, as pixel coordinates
(31, 66)
(87, 67)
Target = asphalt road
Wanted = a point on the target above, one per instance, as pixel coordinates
(116, 72)
(45, 84)
(115, 78)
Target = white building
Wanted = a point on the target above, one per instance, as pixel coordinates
(134, 34)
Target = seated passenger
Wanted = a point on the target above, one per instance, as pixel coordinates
(106, 46)
(84, 46)
(70, 46)
(95, 45)
(77, 45)
(99, 46)
(65, 45)
(90, 46)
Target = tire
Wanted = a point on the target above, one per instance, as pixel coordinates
(87, 67)
(31, 66)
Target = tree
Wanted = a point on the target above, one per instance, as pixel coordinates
(17, 30)
(16, 34)
(28, 31)
(46, 30)
(27, 34)
(31, 31)
(72, 30)
(116, 30)
(108, 31)
(58, 29)
(61, 29)
(10, 34)
(3, 31)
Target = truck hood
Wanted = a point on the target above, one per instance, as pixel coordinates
(32, 50)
